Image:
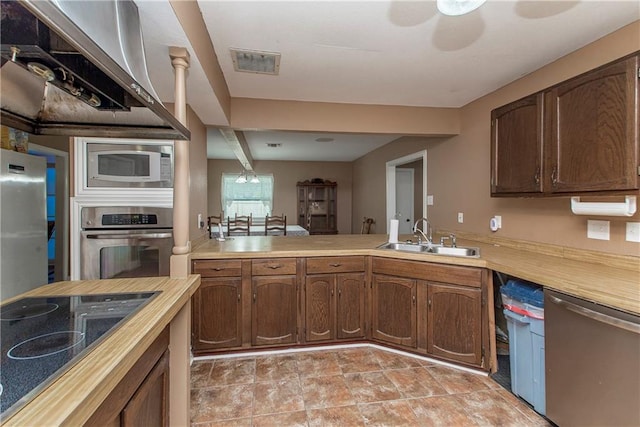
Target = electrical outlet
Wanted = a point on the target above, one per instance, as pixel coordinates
(429, 200)
(460, 217)
(598, 230)
(633, 232)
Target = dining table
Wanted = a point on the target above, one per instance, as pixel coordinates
(258, 230)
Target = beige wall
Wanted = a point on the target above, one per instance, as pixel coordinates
(459, 167)
(197, 174)
(286, 174)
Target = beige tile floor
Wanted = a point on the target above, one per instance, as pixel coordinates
(361, 386)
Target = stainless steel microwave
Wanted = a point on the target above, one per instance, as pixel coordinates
(129, 165)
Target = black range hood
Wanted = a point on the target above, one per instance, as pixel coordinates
(77, 68)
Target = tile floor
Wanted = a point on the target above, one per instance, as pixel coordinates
(361, 386)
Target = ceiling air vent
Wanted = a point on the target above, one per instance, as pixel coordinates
(255, 61)
(273, 145)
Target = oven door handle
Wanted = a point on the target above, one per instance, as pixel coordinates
(131, 236)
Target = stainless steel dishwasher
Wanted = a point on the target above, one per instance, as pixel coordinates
(592, 358)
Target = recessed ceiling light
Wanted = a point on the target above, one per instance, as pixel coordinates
(324, 139)
(255, 61)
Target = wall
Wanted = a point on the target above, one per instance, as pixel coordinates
(459, 166)
(197, 174)
(286, 174)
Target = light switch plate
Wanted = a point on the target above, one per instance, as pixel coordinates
(598, 230)
(429, 200)
(633, 232)
(460, 217)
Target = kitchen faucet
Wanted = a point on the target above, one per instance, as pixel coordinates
(429, 238)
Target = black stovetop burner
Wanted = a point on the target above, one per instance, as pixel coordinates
(43, 337)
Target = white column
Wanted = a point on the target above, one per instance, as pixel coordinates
(180, 61)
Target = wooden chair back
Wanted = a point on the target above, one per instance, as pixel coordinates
(212, 221)
(239, 225)
(366, 225)
(274, 225)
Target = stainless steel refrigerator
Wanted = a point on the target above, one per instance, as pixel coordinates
(23, 223)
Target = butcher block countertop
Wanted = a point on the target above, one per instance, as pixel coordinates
(75, 395)
(611, 280)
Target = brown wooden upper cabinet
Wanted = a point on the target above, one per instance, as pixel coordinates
(580, 136)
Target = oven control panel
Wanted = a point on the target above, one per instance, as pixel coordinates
(129, 219)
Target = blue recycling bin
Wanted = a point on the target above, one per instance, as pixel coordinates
(524, 310)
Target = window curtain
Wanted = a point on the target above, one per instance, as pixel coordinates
(247, 198)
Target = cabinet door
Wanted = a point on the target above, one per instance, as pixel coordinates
(454, 327)
(273, 317)
(350, 305)
(149, 406)
(516, 147)
(591, 130)
(319, 307)
(217, 314)
(394, 310)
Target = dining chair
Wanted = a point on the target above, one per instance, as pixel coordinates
(239, 225)
(274, 225)
(214, 220)
(366, 225)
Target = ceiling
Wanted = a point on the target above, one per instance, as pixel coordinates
(369, 52)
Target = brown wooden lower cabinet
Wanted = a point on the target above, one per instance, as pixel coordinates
(142, 397)
(274, 310)
(394, 310)
(454, 326)
(334, 306)
(217, 314)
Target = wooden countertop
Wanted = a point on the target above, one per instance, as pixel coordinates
(606, 279)
(75, 395)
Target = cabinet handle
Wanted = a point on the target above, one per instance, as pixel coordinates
(536, 177)
(331, 292)
(254, 297)
(554, 176)
(238, 297)
(218, 269)
(429, 303)
(414, 299)
(335, 265)
(275, 267)
(339, 293)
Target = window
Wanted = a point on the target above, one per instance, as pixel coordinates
(247, 198)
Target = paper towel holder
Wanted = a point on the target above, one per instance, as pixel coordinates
(626, 208)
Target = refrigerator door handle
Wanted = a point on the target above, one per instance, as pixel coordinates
(594, 315)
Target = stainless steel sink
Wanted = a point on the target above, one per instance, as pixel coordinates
(460, 251)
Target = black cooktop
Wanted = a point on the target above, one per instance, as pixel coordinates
(45, 336)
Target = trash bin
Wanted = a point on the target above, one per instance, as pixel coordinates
(524, 310)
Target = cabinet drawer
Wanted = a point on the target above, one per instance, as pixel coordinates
(465, 276)
(273, 266)
(218, 267)
(335, 264)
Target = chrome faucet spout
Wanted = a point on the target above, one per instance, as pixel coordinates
(221, 233)
(428, 238)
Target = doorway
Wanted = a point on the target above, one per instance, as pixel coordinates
(405, 212)
(416, 161)
(57, 210)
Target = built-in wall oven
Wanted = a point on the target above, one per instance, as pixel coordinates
(125, 241)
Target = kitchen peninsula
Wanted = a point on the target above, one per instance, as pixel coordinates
(81, 392)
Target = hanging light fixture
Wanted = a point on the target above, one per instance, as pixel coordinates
(242, 178)
(458, 7)
(254, 179)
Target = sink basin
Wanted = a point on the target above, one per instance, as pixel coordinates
(433, 249)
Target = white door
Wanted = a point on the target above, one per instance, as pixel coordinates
(404, 200)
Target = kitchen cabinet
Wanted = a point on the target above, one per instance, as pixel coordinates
(437, 309)
(394, 310)
(334, 298)
(142, 397)
(217, 305)
(317, 206)
(274, 310)
(591, 130)
(577, 137)
(454, 325)
(516, 147)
